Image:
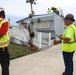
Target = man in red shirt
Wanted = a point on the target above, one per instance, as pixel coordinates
(4, 54)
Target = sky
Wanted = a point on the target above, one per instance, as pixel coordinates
(19, 9)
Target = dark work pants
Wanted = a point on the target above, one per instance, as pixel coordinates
(68, 61)
(4, 60)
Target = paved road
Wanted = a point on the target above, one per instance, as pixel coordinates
(45, 62)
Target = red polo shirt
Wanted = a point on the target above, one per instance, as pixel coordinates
(4, 28)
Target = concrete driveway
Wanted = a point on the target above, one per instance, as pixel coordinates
(45, 62)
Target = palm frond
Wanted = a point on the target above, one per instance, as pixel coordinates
(27, 1)
(31, 1)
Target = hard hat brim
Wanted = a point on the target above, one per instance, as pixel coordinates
(70, 19)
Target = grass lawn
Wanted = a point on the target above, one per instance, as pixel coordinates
(18, 51)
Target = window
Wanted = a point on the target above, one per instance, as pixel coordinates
(42, 25)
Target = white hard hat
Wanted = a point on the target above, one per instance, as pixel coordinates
(1, 8)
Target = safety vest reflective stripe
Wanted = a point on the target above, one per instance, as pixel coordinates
(4, 43)
(74, 33)
(69, 42)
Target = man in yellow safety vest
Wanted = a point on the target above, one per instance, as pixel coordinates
(55, 10)
(68, 43)
(4, 41)
(48, 11)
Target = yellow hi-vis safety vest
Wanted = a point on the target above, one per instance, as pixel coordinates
(4, 40)
(71, 45)
(49, 11)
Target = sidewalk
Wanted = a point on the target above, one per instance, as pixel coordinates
(45, 62)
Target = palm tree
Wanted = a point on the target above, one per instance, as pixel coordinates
(31, 2)
(31, 32)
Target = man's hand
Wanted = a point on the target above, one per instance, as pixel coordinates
(64, 38)
(60, 37)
